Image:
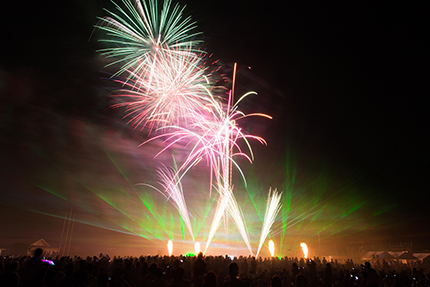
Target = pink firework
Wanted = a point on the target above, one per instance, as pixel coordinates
(214, 135)
(165, 91)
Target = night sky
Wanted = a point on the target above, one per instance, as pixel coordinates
(346, 85)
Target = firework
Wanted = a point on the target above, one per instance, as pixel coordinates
(172, 190)
(170, 247)
(141, 30)
(227, 204)
(271, 247)
(272, 209)
(197, 247)
(304, 249)
(215, 136)
(165, 93)
(166, 88)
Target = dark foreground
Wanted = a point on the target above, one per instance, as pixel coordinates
(210, 271)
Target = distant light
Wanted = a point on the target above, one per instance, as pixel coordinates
(197, 247)
(249, 67)
(305, 249)
(271, 247)
(170, 247)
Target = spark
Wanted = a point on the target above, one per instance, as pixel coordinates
(216, 137)
(173, 191)
(141, 30)
(304, 249)
(213, 136)
(272, 209)
(165, 92)
(197, 247)
(166, 89)
(170, 247)
(271, 248)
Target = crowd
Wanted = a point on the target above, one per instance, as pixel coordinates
(203, 271)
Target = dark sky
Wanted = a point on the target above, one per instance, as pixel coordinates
(345, 83)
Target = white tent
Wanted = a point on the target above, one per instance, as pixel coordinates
(422, 256)
(373, 255)
(41, 243)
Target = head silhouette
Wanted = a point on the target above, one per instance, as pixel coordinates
(233, 269)
(38, 252)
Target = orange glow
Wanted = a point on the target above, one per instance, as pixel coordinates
(197, 247)
(271, 248)
(305, 249)
(170, 247)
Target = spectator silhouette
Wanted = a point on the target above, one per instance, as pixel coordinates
(295, 269)
(301, 281)
(67, 280)
(210, 280)
(199, 270)
(117, 279)
(253, 265)
(233, 271)
(276, 281)
(81, 277)
(159, 280)
(328, 278)
(10, 276)
(244, 267)
(50, 280)
(34, 270)
(179, 279)
(370, 277)
(151, 276)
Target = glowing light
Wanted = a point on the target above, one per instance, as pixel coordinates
(164, 92)
(216, 135)
(197, 247)
(304, 249)
(142, 30)
(170, 247)
(271, 248)
(172, 190)
(167, 89)
(272, 209)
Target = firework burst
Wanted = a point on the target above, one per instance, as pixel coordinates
(166, 88)
(166, 92)
(143, 30)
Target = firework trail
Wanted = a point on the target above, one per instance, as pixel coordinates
(172, 190)
(272, 209)
(221, 137)
(215, 135)
(227, 204)
(140, 32)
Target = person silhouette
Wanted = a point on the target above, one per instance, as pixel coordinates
(34, 270)
(233, 271)
(370, 277)
(276, 281)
